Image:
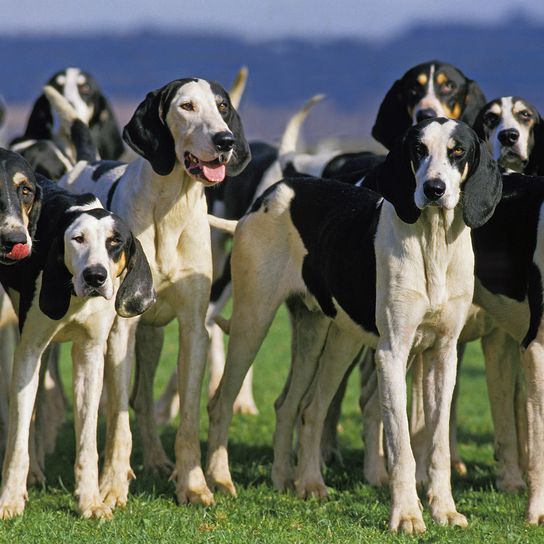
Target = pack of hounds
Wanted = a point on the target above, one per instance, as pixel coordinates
(387, 263)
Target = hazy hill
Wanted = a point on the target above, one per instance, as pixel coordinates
(505, 59)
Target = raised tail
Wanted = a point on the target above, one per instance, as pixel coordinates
(238, 87)
(289, 140)
(76, 130)
(225, 225)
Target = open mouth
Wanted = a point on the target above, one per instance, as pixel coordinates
(210, 172)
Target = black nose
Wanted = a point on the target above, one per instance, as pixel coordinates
(434, 189)
(95, 276)
(427, 113)
(10, 239)
(509, 136)
(223, 141)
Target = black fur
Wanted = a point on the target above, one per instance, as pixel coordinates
(395, 113)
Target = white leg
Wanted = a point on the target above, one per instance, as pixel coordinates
(24, 385)
(440, 370)
(308, 330)
(88, 363)
(149, 342)
(340, 349)
(116, 472)
(167, 407)
(417, 421)
(457, 463)
(375, 469)
(502, 361)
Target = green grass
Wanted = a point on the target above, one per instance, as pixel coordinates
(355, 512)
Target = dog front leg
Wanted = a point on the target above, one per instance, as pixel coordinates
(88, 373)
(116, 472)
(440, 370)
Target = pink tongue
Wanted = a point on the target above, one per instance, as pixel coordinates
(19, 251)
(214, 173)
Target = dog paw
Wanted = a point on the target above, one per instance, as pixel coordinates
(159, 464)
(94, 509)
(409, 525)
(221, 484)
(114, 488)
(510, 484)
(200, 495)
(12, 506)
(453, 519)
(311, 489)
(535, 512)
(245, 406)
(283, 478)
(35, 476)
(459, 467)
(377, 478)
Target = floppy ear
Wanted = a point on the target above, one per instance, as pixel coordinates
(241, 154)
(56, 288)
(482, 189)
(136, 294)
(105, 131)
(474, 102)
(392, 119)
(478, 124)
(40, 122)
(148, 134)
(396, 181)
(535, 166)
(34, 214)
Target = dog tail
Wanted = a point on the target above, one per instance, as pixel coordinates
(289, 140)
(238, 87)
(78, 131)
(225, 225)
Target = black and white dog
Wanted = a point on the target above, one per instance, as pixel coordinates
(395, 273)
(514, 131)
(188, 137)
(62, 258)
(44, 145)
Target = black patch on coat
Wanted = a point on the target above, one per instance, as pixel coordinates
(43, 158)
(504, 246)
(220, 284)
(535, 304)
(337, 223)
(111, 192)
(351, 167)
(103, 167)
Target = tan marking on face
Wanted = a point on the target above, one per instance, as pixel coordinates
(121, 265)
(26, 218)
(19, 178)
(455, 112)
(465, 173)
(495, 108)
(422, 79)
(451, 143)
(441, 79)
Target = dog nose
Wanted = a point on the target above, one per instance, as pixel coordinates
(223, 141)
(95, 276)
(11, 239)
(427, 113)
(509, 136)
(434, 189)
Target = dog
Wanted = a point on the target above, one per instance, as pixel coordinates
(395, 273)
(46, 147)
(514, 131)
(64, 287)
(188, 137)
(430, 89)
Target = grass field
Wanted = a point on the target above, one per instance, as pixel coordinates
(355, 512)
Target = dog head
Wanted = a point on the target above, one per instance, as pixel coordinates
(190, 121)
(441, 162)
(513, 131)
(20, 205)
(92, 107)
(95, 248)
(431, 89)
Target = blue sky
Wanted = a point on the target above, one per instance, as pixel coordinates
(255, 19)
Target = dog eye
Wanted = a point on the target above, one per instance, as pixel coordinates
(457, 151)
(447, 88)
(525, 114)
(187, 106)
(114, 241)
(26, 191)
(491, 118)
(78, 239)
(420, 149)
(222, 107)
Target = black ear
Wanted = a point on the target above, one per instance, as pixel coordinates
(482, 189)
(136, 294)
(105, 131)
(241, 153)
(40, 122)
(396, 181)
(535, 166)
(35, 211)
(474, 102)
(393, 119)
(478, 124)
(148, 134)
(56, 288)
